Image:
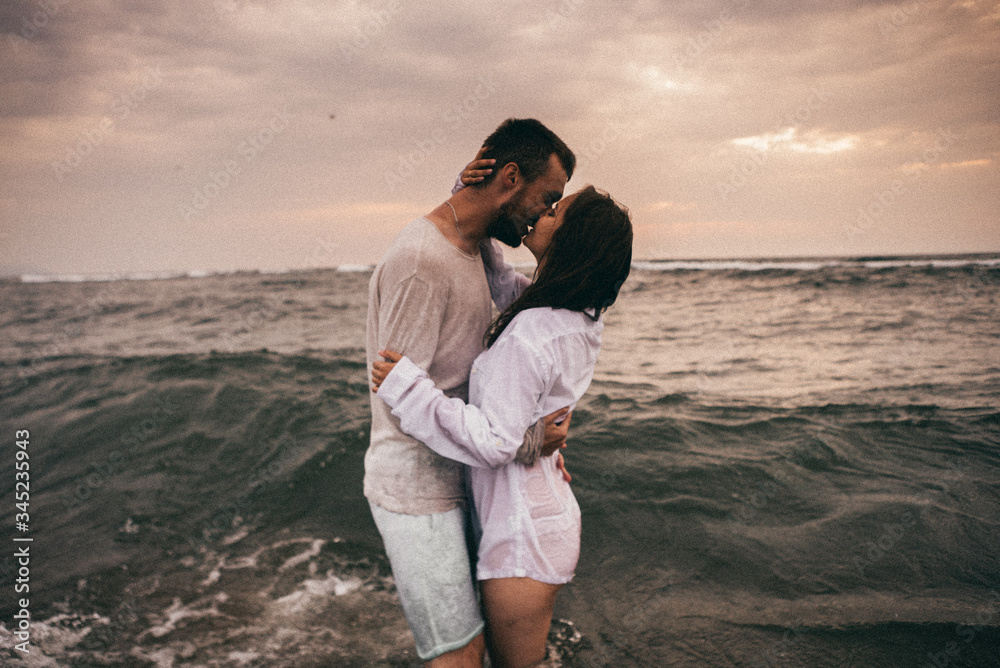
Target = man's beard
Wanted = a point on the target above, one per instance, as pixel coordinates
(508, 226)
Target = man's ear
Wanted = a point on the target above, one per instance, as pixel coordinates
(509, 175)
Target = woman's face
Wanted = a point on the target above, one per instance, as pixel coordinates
(540, 236)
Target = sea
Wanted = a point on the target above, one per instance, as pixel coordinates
(779, 463)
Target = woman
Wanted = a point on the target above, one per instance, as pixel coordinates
(540, 357)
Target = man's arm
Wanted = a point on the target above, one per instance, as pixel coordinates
(410, 319)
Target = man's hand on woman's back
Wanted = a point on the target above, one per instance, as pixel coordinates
(556, 430)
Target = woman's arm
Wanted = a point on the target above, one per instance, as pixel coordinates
(475, 171)
(485, 437)
(506, 283)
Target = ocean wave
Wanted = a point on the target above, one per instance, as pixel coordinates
(745, 265)
(218, 493)
(122, 276)
(813, 265)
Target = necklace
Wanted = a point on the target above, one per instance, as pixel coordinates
(460, 235)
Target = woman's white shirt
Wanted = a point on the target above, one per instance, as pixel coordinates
(543, 361)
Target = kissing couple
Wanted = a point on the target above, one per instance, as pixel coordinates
(469, 411)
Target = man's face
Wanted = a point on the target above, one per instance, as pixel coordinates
(527, 203)
(540, 237)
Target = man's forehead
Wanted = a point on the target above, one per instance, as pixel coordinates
(556, 171)
(554, 180)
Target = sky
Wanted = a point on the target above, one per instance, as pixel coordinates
(239, 135)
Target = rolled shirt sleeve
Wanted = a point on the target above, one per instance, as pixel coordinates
(486, 437)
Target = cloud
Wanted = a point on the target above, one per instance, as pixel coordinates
(840, 97)
(920, 166)
(789, 139)
(675, 207)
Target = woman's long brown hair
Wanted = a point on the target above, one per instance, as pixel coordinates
(584, 266)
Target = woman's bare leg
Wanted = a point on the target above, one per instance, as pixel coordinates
(470, 656)
(518, 614)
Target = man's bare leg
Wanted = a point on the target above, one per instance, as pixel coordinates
(470, 656)
(518, 614)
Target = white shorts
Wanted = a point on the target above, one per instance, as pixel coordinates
(430, 564)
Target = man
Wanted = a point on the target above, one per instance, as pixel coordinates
(429, 300)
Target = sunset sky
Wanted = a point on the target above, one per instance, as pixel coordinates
(231, 134)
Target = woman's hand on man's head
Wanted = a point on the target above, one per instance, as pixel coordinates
(478, 169)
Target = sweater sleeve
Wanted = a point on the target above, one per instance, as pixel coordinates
(485, 437)
(531, 449)
(411, 314)
(506, 283)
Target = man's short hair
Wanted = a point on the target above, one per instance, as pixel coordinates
(528, 144)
